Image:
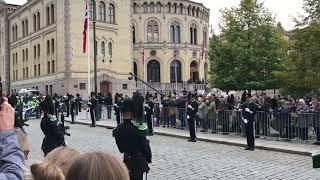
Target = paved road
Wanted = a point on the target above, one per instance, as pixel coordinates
(175, 159)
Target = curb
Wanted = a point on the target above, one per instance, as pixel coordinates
(304, 153)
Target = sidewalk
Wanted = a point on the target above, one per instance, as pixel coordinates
(271, 145)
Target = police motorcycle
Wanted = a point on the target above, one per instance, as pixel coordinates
(32, 109)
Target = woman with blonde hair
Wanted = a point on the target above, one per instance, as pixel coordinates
(98, 166)
(46, 171)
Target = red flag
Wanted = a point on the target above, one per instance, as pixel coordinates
(175, 52)
(202, 51)
(142, 54)
(85, 29)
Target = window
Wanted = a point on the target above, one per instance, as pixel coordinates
(52, 13)
(23, 55)
(48, 47)
(175, 32)
(27, 72)
(13, 39)
(151, 7)
(153, 71)
(34, 52)
(27, 55)
(103, 49)
(175, 7)
(193, 34)
(38, 20)
(102, 11)
(52, 46)
(159, 7)
(198, 12)
(23, 73)
(110, 49)
(205, 36)
(39, 70)
(48, 67)
(34, 22)
(16, 32)
(27, 27)
(38, 50)
(124, 86)
(145, 7)
(169, 7)
(35, 70)
(134, 7)
(53, 69)
(82, 86)
(133, 34)
(48, 15)
(189, 10)
(90, 11)
(152, 31)
(175, 71)
(23, 29)
(112, 13)
(181, 8)
(193, 10)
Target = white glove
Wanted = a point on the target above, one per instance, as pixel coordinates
(189, 106)
(248, 110)
(245, 121)
(188, 117)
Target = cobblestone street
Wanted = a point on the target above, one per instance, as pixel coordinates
(175, 158)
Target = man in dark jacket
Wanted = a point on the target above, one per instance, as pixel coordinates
(192, 110)
(248, 113)
(92, 105)
(109, 104)
(131, 142)
(138, 101)
(149, 106)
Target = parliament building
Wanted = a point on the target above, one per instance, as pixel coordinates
(163, 42)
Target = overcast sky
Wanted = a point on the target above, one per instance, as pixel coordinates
(284, 10)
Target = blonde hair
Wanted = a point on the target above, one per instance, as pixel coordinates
(46, 171)
(62, 157)
(98, 166)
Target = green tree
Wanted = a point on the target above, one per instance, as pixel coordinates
(248, 50)
(301, 73)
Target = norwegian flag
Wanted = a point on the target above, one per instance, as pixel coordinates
(85, 29)
(202, 51)
(175, 52)
(142, 54)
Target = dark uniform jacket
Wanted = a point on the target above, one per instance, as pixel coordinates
(134, 145)
(247, 115)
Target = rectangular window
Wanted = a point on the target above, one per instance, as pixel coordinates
(48, 68)
(82, 86)
(53, 69)
(27, 72)
(23, 73)
(39, 70)
(124, 86)
(35, 71)
(75, 86)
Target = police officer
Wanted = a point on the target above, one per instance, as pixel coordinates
(93, 105)
(73, 105)
(54, 137)
(133, 143)
(249, 110)
(192, 110)
(149, 111)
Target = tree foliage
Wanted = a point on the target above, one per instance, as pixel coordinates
(301, 71)
(248, 50)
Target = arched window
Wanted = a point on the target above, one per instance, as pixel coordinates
(198, 12)
(27, 55)
(175, 32)
(48, 15)
(135, 7)
(16, 31)
(34, 22)
(151, 7)
(153, 70)
(27, 27)
(175, 71)
(175, 8)
(52, 13)
(193, 34)
(34, 51)
(193, 11)
(205, 37)
(152, 31)
(181, 8)
(158, 7)
(52, 46)
(23, 55)
(38, 50)
(189, 10)
(38, 19)
(13, 39)
(133, 34)
(194, 72)
(103, 49)
(102, 11)
(48, 47)
(145, 7)
(110, 49)
(23, 29)
(90, 11)
(112, 13)
(169, 7)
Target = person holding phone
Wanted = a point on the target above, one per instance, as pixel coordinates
(11, 156)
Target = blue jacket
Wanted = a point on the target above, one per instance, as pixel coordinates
(11, 157)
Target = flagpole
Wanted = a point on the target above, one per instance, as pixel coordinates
(88, 57)
(175, 67)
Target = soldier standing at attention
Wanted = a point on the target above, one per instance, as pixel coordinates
(92, 105)
(249, 110)
(133, 143)
(192, 110)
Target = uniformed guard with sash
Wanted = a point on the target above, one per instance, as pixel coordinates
(131, 140)
(249, 110)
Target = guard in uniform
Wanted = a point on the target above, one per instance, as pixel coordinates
(73, 106)
(192, 110)
(249, 110)
(149, 111)
(133, 143)
(93, 105)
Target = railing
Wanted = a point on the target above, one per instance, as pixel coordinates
(171, 86)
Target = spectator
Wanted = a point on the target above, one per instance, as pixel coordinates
(302, 109)
(98, 166)
(212, 114)
(11, 156)
(203, 112)
(46, 171)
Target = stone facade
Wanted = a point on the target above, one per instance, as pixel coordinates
(45, 44)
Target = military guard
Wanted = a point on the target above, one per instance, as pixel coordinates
(192, 110)
(249, 110)
(132, 141)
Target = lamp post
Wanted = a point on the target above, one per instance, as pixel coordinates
(94, 47)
